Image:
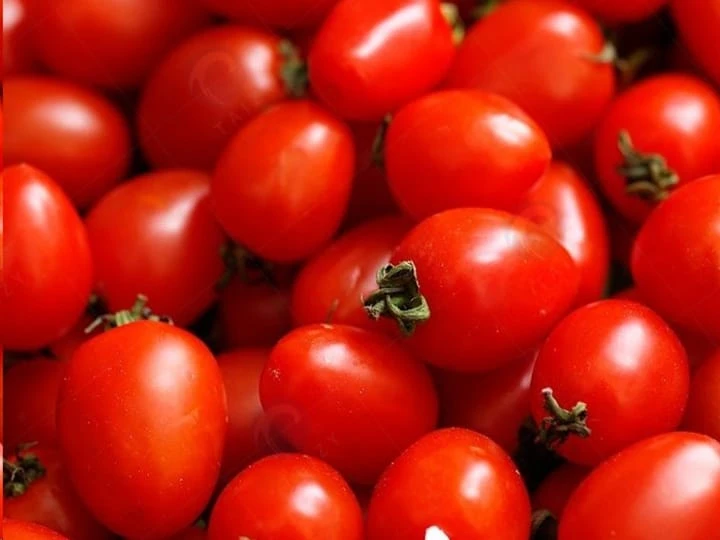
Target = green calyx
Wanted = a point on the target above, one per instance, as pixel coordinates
(378, 145)
(18, 475)
(242, 263)
(561, 423)
(452, 16)
(294, 71)
(138, 312)
(647, 175)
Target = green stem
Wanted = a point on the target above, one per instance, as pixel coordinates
(452, 16)
(562, 423)
(294, 71)
(18, 475)
(378, 145)
(241, 262)
(543, 525)
(647, 175)
(607, 55)
(138, 312)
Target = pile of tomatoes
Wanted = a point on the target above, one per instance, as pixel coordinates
(361, 269)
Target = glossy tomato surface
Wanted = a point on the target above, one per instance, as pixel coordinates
(286, 14)
(17, 48)
(703, 408)
(697, 24)
(24, 530)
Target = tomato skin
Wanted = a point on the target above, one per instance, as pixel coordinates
(64, 348)
(371, 57)
(687, 464)
(676, 116)
(697, 24)
(330, 286)
(485, 257)
(462, 148)
(73, 134)
(296, 162)
(562, 203)
(703, 408)
(156, 235)
(18, 52)
(204, 90)
(347, 388)
(537, 54)
(619, 11)
(557, 488)
(191, 533)
(45, 244)
(286, 14)
(156, 385)
(675, 268)
(494, 404)
(23, 530)
(435, 482)
(611, 355)
(263, 502)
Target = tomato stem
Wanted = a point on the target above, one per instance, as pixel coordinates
(138, 312)
(647, 175)
(19, 475)
(378, 144)
(556, 428)
(543, 525)
(452, 16)
(241, 262)
(294, 71)
(607, 55)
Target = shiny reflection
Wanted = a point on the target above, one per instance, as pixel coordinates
(474, 480)
(309, 499)
(510, 129)
(410, 16)
(627, 344)
(71, 117)
(687, 114)
(496, 244)
(564, 23)
(315, 134)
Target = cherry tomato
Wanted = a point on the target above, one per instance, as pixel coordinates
(287, 14)
(462, 148)
(287, 497)
(674, 260)
(354, 399)
(64, 348)
(71, 133)
(17, 49)
(703, 408)
(141, 423)
(296, 164)
(455, 480)
(627, 496)
(659, 133)
(156, 235)
(494, 404)
(204, 90)
(24, 530)
(42, 494)
(609, 356)
(562, 203)
(330, 285)
(621, 11)
(697, 24)
(31, 390)
(47, 263)
(115, 45)
(495, 285)
(370, 57)
(541, 55)
(555, 491)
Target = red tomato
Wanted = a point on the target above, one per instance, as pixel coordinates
(495, 404)
(286, 14)
(555, 491)
(622, 11)
(17, 50)
(697, 24)
(627, 496)
(287, 497)
(355, 399)
(31, 390)
(676, 254)
(156, 235)
(330, 285)
(609, 355)
(703, 408)
(453, 479)
(204, 90)
(64, 348)
(495, 285)
(113, 45)
(562, 203)
(71, 133)
(672, 123)
(42, 494)
(460, 148)
(370, 57)
(540, 55)
(141, 423)
(296, 163)
(47, 264)
(24, 530)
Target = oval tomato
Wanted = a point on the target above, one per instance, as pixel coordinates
(455, 480)
(462, 148)
(557, 488)
(703, 408)
(608, 356)
(286, 14)
(18, 52)
(676, 267)
(142, 418)
(71, 133)
(156, 235)
(371, 57)
(47, 271)
(684, 464)
(284, 497)
(347, 389)
(622, 11)
(24, 530)
(697, 23)
(656, 135)
(541, 56)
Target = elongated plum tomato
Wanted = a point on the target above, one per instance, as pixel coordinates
(464, 483)
(204, 90)
(47, 271)
(285, 14)
(564, 206)
(24, 530)
(676, 266)
(330, 285)
(142, 418)
(557, 488)
(609, 356)
(355, 399)
(703, 408)
(282, 185)
(371, 57)
(660, 133)
(684, 464)
(621, 11)
(287, 496)
(462, 148)
(697, 23)
(540, 55)
(495, 285)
